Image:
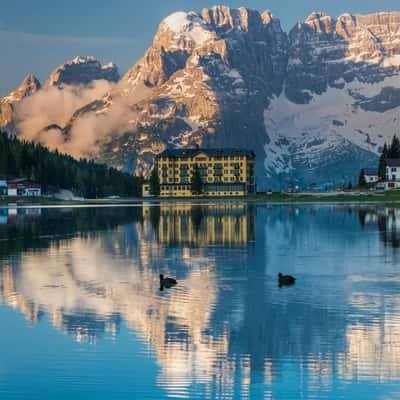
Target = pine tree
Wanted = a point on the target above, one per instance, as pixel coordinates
(54, 170)
(154, 182)
(361, 180)
(382, 163)
(196, 183)
(350, 186)
(394, 150)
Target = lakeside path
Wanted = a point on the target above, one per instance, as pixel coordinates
(389, 197)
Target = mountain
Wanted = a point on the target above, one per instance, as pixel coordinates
(29, 86)
(193, 87)
(82, 71)
(341, 96)
(78, 76)
(315, 104)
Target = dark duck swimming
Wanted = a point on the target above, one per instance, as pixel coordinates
(167, 282)
(286, 280)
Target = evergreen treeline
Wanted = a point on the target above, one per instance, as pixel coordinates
(54, 170)
(392, 151)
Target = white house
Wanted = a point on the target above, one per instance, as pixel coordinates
(393, 173)
(371, 175)
(24, 187)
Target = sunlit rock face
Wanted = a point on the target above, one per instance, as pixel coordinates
(29, 86)
(324, 94)
(206, 78)
(339, 104)
(82, 71)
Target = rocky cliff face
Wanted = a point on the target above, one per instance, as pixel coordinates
(340, 100)
(82, 71)
(324, 95)
(29, 86)
(206, 80)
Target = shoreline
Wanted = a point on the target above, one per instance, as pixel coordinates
(389, 198)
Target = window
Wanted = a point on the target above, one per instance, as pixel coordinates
(394, 169)
(393, 177)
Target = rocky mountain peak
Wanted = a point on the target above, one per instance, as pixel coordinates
(224, 18)
(327, 93)
(184, 38)
(182, 31)
(29, 85)
(320, 22)
(268, 18)
(82, 71)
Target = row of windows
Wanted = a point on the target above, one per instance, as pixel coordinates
(209, 179)
(204, 168)
(201, 159)
(208, 188)
(219, 193)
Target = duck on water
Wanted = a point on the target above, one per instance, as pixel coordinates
(286, 280)
(167, 282)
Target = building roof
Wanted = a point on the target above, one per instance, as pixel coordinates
(215, 152)
(370, 172)
(393, 162)
(18, 180)
(23, 184)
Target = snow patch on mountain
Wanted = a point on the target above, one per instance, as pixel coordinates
(189, 26)
(326, 122)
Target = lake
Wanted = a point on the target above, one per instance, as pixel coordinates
(82, 315)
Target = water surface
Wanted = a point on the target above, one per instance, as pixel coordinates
(82, 316)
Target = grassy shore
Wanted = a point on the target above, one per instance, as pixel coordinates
(392, 197)
(387, 197)
(6, 200)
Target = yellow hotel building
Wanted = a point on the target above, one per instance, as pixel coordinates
(224, 172)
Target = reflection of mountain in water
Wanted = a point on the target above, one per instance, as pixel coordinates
(227, 318)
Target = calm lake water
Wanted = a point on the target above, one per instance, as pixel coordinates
(82, 316)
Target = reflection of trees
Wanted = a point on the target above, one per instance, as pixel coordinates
(197, 215)
(38, 231)
(226, 318)
(389, 228)
(386, 219)
(154, 214)
(362, 215)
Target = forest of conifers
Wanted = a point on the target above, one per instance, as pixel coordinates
(54, 171)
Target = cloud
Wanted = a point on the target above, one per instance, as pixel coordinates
(55, 106)
(42, 116)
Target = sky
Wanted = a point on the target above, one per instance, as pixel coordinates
(37, 36)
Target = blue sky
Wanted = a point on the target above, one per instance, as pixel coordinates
(36, 36)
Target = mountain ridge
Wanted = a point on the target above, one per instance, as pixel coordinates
(324, 93)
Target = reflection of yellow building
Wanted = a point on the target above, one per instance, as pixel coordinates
(146, 190)
(231, 224)
(224, 172)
